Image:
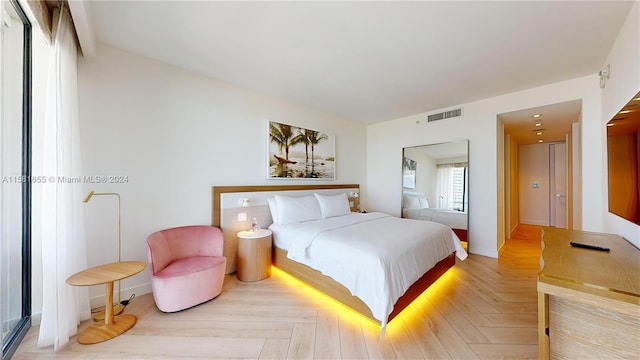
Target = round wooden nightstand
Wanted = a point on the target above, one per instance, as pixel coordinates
(254, 255)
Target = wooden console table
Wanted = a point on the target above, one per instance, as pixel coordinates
(107, 274)
(588, 300)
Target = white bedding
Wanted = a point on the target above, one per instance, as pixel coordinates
(376, 256)
(453, 219)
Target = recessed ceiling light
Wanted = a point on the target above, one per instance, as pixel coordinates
(610, 124)
(535, 116)
(540, 140)
(625, 111)
(539, 133)
(538, 124)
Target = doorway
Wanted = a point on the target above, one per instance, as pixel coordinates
(558, 166)
(557, 125)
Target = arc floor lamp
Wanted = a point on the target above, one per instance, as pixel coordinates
(118, 307)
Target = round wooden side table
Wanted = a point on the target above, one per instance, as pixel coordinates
(254, 255)
(107, 274)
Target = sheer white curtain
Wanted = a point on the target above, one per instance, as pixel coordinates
(63, 240)
(444, 186)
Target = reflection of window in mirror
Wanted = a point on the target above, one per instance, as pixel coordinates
(451, 186)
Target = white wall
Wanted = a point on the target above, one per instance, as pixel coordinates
(480, 126)
(175, 134)
(624, 61)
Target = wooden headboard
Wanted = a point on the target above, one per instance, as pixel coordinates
(226, 206)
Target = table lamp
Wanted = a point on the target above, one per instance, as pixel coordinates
(118, 308)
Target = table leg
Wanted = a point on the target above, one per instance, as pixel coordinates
(543, 325)
(113, 325)
(108, 310)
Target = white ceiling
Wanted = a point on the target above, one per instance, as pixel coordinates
(370, 61)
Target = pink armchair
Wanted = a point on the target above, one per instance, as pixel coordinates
(187, 266)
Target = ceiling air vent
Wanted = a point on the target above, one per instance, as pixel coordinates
(445, 115)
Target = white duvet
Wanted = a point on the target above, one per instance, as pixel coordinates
(376, 256)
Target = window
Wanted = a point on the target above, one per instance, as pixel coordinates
(15, 170)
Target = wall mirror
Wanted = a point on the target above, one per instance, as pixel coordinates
(435, 184)
(623, 161)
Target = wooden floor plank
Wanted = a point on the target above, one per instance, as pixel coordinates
(520, 296)
(517, 308)
(504, 335)
(467, 310)
(238, 329)
(444, 331)
(327, 345)
(402, 342)
(352, 344)
(514, 320)
(458, 321)
(378, 348)
(506, 351)
(428, 344)
(303, 340)
(274, 349)
(469, 296)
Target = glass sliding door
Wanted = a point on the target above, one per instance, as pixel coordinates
(15, 172)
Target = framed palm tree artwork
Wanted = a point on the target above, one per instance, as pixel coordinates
(298, 153)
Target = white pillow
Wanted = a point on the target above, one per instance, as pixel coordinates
(297, 209)
(273, 207)
(410, 202)
(333, 205)
(424, 203)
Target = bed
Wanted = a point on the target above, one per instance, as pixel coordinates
(415, 206)
(398, 258)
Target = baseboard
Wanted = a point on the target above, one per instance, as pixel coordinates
(501, 248)
(483, 252)
(36, 318)
(534, 222)
(513, 230)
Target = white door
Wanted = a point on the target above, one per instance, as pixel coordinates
(558, 184)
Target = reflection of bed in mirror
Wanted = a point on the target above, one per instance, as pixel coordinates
(417, 208)
(439, 191)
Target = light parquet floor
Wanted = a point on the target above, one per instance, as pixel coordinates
(483, 308)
